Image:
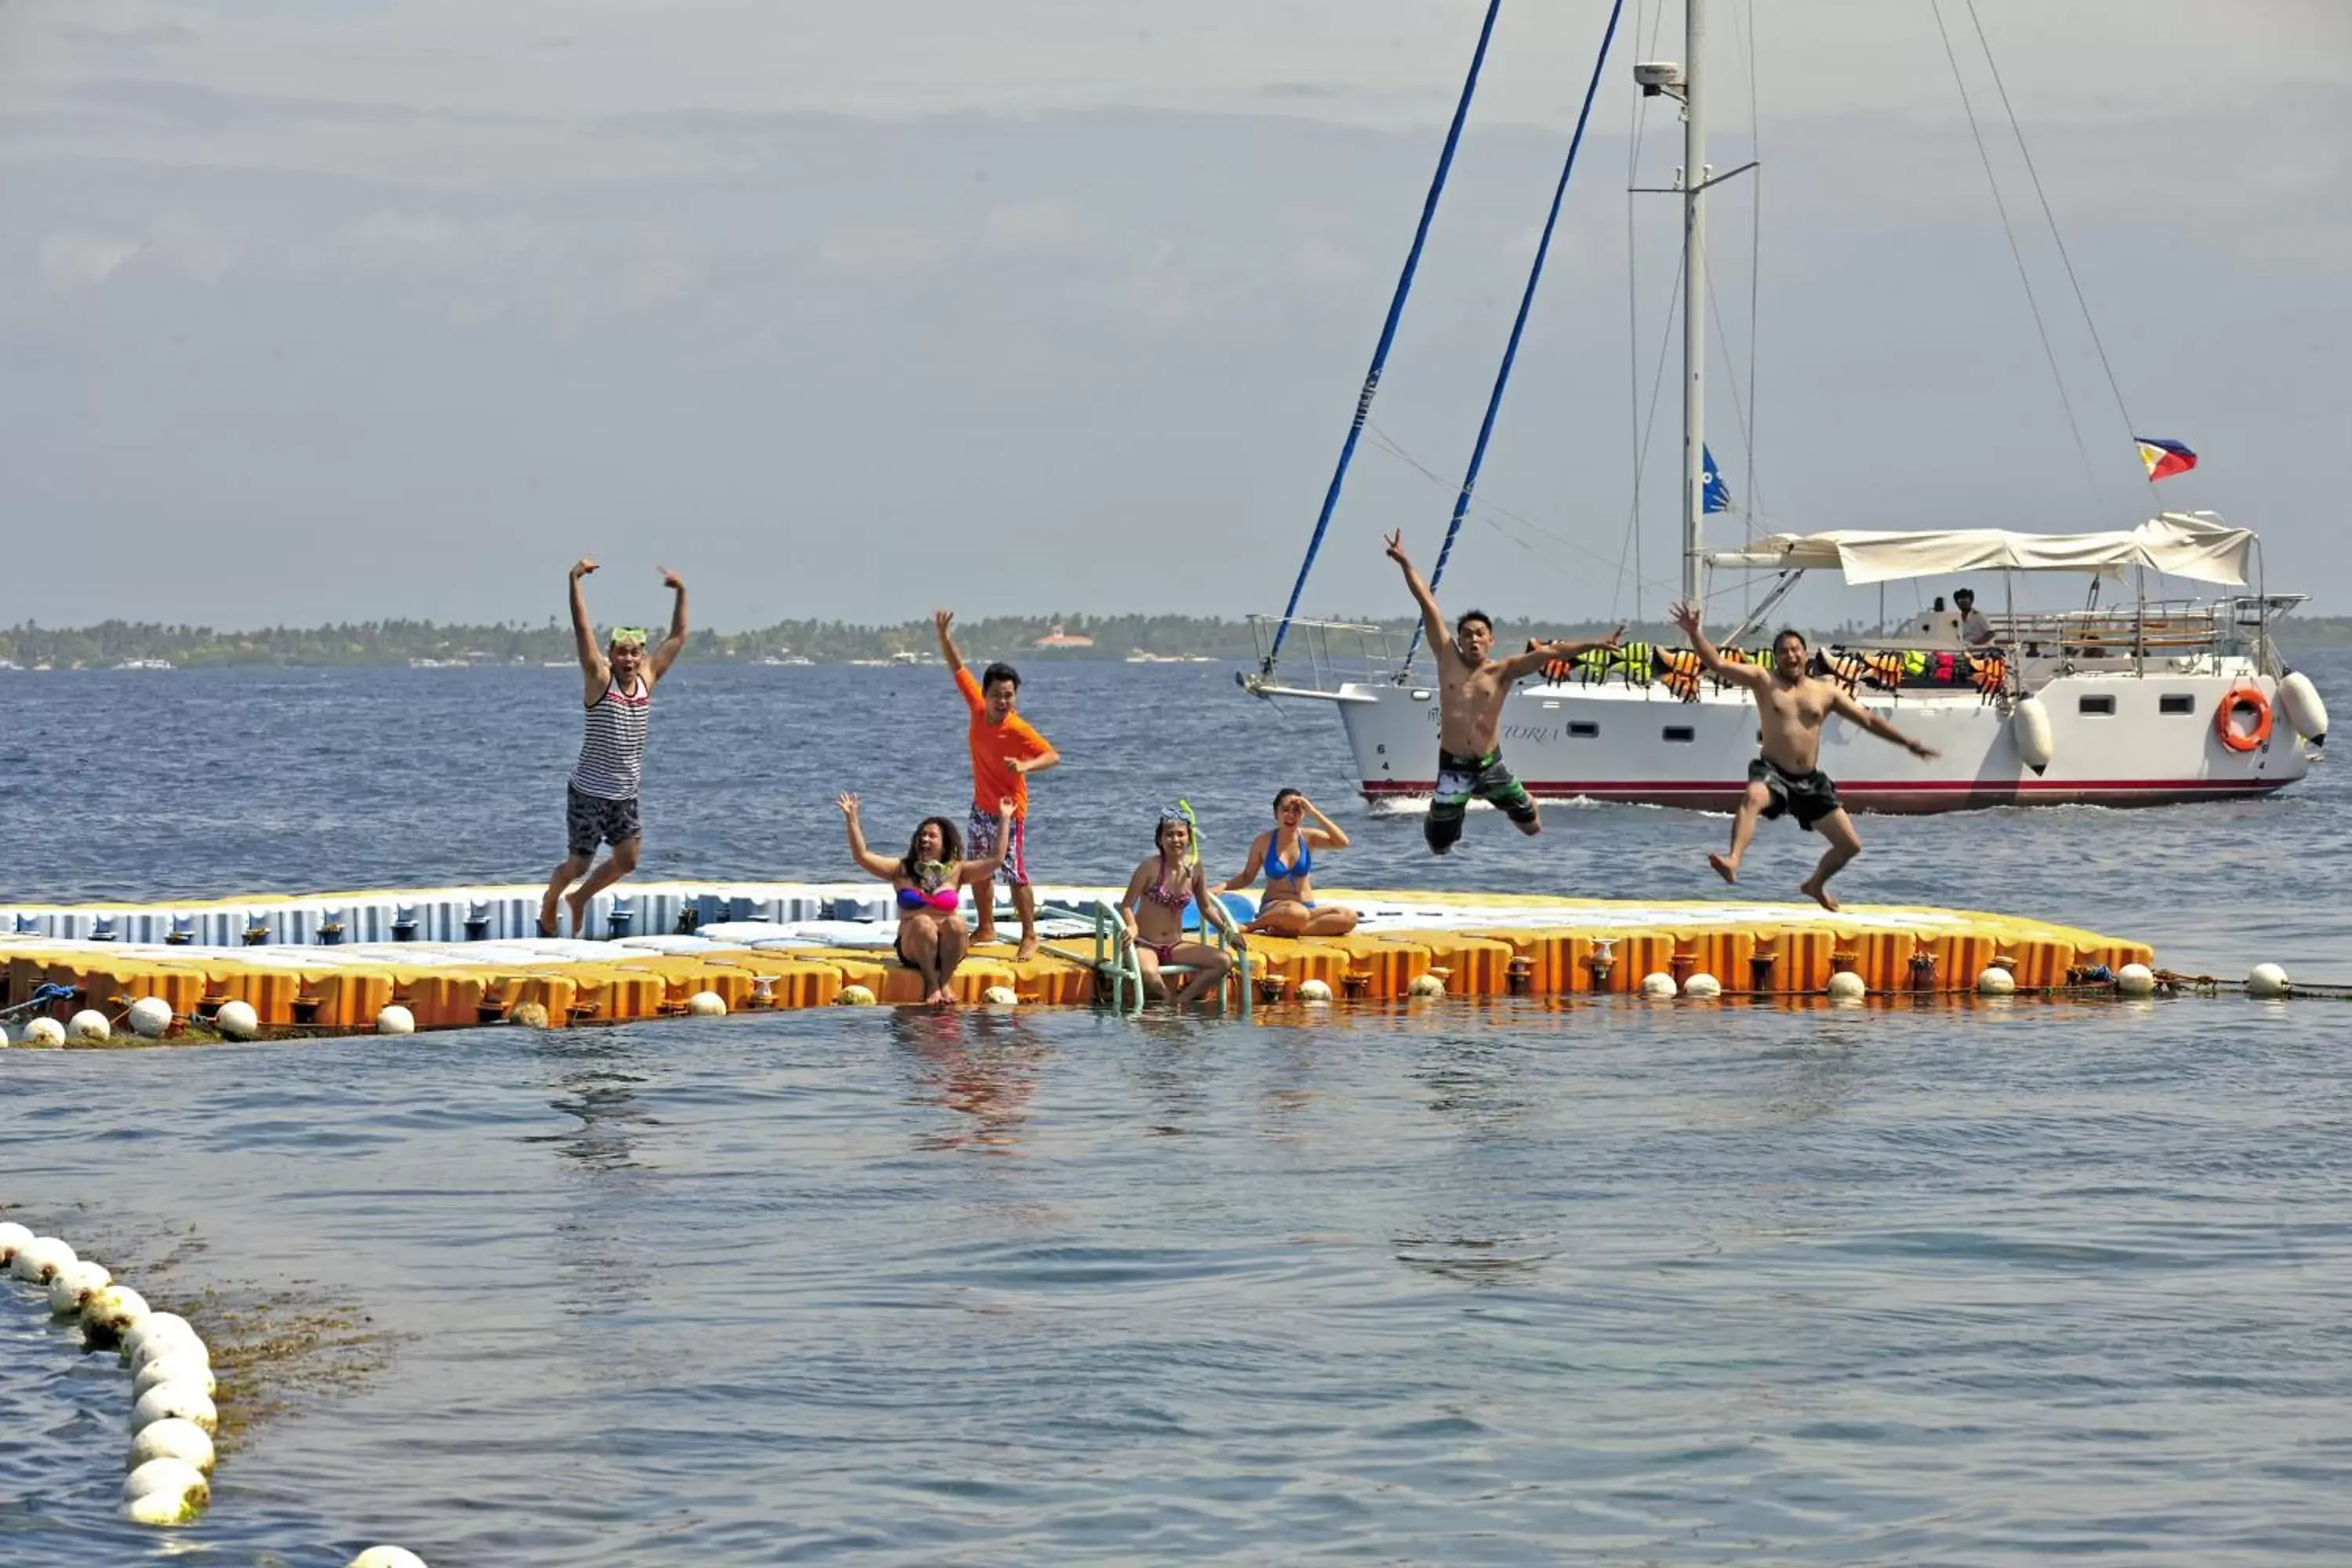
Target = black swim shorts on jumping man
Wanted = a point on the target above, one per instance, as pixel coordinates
(1808, 797)
(591, 820)
(1461, 780)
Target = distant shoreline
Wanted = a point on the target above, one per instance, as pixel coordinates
(1141, 640)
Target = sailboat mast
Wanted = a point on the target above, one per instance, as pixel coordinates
(1694, 296)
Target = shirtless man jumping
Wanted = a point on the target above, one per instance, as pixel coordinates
(1470, 691)
(1791, 707)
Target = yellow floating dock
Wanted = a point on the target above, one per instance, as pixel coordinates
(801, 946)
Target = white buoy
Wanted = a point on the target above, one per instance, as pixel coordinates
(90, 1024)
(45, 1032)
(707, 1004)
(185, 1368)
(237, 1021)
(1000, 997)
(75, 1285)
(1425, 985)
(854, 996)
(2030, 725)
(2136, 980)
(12, 1237)
(387, 1557)
(2306, 715)
(173, 1438)
(157, 1333)
(1314, 991)
(2268, 979)
(165, 1492)
(1845, 985)
(395, 1019)
(107, 1315)
(175, 1402)
(1995, 982)
(149, 1017)
(1703, 987)
(1658, 986)
(39, 1260)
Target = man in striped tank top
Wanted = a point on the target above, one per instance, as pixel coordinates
(601, 799)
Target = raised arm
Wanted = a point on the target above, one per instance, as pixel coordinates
(978, 871)
(1519, 667)
(1854, 712)
(1432, 619)
(943, 619)
(1750, 676)
(876, 865)
(1332, 835)
(1248, 874)
(675, 644)
(583, 632)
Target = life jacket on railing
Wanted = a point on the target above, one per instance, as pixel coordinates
(1884, 670)
(1678, 672)
(1944, 669)
(1847, 668)
(1991, 674)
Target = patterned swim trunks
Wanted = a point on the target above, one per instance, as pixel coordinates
(1461, 780)
(592, 820)
(980, 843)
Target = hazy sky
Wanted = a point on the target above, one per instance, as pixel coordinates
(325, 309)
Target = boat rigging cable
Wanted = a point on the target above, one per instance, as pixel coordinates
(1519, 329)
(1387, 333)
(2017, 253)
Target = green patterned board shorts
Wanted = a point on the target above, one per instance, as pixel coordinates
(1461, 780)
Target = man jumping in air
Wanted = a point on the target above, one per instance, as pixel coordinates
(601, 800)
(1791, 707)
(1470, 691)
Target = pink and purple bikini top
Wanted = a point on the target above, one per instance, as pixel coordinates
(940, 899)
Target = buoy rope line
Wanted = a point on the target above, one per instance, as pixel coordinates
(172, 1416)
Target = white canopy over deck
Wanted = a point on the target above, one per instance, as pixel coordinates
(2196, 545)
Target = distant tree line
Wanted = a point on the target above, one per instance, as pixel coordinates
(1114, 638)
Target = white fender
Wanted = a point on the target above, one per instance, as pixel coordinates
(2030, 725)
(2306, 715)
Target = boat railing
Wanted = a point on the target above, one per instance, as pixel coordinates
(1334, 654)
(2162, 629)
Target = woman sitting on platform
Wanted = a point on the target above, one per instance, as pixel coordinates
(1153, 910)
(1289, 907)
(929, 881)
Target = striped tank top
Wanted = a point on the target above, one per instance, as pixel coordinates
(612, 753)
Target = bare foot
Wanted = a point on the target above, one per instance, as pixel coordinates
(944, 997)
(1728, 869)
(984, 936)
(1026, 951)
(577, 904)
(1812, 889)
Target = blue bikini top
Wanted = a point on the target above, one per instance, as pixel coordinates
(1274, 869)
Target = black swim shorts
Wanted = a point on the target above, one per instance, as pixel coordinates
(1808, 797)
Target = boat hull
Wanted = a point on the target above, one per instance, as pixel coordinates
(2114, 740)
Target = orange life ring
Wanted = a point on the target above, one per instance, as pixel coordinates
(2240, 698)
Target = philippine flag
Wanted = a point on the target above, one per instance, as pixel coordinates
(2165, 458)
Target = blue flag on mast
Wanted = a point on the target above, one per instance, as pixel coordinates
(1713, 494)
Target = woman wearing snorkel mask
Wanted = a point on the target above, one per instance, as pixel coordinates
(1153, 912)
(929, 882)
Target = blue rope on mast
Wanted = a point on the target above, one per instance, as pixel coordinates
(1387, 333)
(1518, 327)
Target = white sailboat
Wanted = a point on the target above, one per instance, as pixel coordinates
(2150, 702)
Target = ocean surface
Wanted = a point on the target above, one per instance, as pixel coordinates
(1523, 1283)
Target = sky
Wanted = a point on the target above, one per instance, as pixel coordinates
(322, 309)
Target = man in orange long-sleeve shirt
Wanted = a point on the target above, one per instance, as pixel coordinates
(1004, 752)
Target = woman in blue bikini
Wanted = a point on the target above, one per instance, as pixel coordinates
(1287, 854)
(1153, 911)
(929, 882)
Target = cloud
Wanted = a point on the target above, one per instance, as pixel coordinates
(176, 244)
(411, 242)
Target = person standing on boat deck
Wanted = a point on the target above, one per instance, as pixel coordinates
(1470, 691)
(1975, 631)
(1791, 707)
(1289, 908)
(1004, 752)
(601, 798)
